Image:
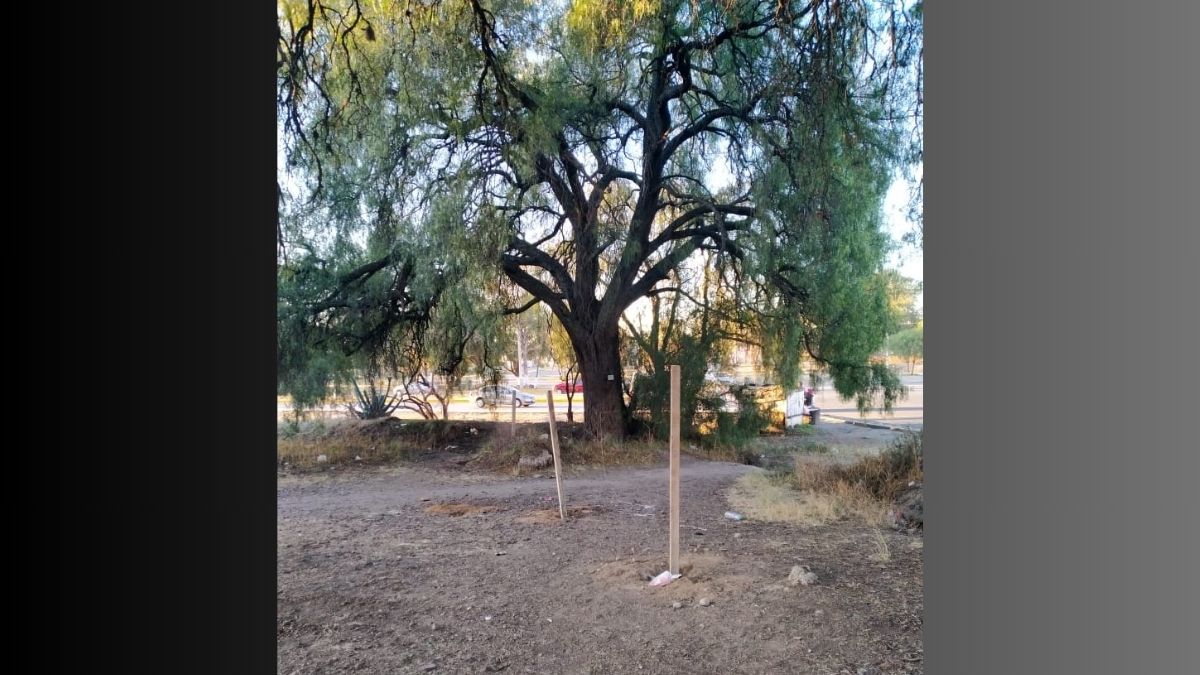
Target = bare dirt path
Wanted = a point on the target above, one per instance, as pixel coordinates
(370, 580)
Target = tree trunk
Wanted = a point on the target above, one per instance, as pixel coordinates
(605, 415)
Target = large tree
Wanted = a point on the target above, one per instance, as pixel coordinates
(583, 153)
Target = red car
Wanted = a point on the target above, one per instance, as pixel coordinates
(561, 387)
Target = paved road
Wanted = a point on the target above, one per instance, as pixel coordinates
(908, 412)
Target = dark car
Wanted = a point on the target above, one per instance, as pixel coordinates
(561, 387)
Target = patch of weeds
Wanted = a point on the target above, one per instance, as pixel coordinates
(813, 448)
(611, 453)
(883, 476)
(817, 492)
(883, 553)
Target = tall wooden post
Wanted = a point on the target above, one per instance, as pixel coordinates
(562, 509)
(673, 557)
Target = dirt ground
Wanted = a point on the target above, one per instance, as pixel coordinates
(428, 568)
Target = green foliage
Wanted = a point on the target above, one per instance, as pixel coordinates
(652, 387)
(446, 160)
(740, 427)
(873, 386)
(373, 402)
(909, 344)
(902, 295)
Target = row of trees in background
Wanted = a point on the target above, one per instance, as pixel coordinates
(452, 163)
(906, 321)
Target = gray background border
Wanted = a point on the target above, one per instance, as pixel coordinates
(1061, 146)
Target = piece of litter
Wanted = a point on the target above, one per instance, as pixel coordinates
(801, 575)
(734, 516)
(664, 579)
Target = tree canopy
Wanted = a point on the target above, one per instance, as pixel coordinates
(455, 160)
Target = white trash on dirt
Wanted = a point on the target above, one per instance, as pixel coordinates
(664, 578)
(321, 459)
(734, 516)
(801, 575)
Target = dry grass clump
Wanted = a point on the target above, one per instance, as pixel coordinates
(882, 477)
(818, 493)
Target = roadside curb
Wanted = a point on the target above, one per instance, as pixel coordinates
(870, 425)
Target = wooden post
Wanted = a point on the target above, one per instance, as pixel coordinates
(562, 509)
(673, 556)
(514, 414)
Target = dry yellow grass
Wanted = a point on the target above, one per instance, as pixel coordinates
(301, 453)
(883, 553)
(611, 453)
(818, 492)
(761, 496)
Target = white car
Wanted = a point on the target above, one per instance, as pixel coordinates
(414, 389)
(500, 394)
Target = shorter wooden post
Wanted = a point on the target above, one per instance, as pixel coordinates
(673, 556)
(562, 508)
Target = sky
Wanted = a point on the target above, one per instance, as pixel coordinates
(908, 260)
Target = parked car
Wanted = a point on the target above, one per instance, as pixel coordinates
(561, 387)
(499, 394)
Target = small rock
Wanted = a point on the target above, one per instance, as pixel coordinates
(474, 431)
(321, 459)
(705, 602)
(545, 437)
(357, 458)
(800, 574)
(819, 612)
(737, 535)
(536, 462)
(487, 618)
(429, 666)
(909, 511)
(501, 553)
(677, 605)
